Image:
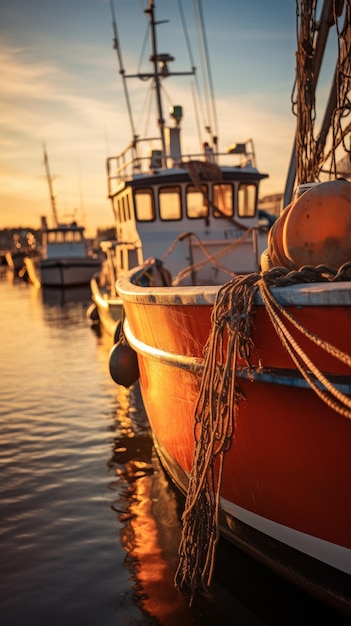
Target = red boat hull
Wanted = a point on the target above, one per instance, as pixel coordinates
(286, 477)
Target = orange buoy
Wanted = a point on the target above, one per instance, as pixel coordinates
(317, 229)
(276, 252)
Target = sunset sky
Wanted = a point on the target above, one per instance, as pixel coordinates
(60, 84)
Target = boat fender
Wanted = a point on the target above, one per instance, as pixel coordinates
(93, 314)
(123, 364)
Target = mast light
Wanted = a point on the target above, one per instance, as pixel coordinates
(176, 112)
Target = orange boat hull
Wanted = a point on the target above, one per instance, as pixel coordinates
(285, 484)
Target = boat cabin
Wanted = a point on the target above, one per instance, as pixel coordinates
(153, 204)
(64, 241)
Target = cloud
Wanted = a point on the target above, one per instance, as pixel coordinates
(81, 114)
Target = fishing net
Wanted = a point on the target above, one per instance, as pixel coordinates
(317, 150)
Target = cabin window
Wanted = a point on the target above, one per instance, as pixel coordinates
(247, 200)
(222, 200)
(197, 201)
(73, 236)
(116, 208)
(144, 205)
(170, 203)
(127, 208)
(120, 211)
(123, 208)
(55, 237)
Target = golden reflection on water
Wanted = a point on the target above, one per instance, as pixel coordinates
(150, 546)
(148, 509)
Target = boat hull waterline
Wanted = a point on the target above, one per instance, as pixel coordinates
(284, 488)
(64, 272)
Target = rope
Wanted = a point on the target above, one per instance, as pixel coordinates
(312, 158)
(214, 430)
(219, 396)
(209, 258)
(301, 360)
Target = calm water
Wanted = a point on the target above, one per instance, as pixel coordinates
(89, 523)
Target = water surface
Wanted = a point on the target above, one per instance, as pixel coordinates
(89, 522)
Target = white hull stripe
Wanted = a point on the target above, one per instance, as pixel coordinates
(325, 551)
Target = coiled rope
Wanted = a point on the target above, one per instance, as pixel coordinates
(219, 396)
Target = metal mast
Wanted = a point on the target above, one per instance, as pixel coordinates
(51, 191)
(161, 121)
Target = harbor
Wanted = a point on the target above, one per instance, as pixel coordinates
(176, 412)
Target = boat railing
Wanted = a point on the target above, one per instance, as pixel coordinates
(130, 162)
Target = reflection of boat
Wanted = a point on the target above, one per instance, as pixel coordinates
(64, 260)
(62, 296)
(148, 512)
(247, 385)
(63, 307)
(188, 207)
(15, 260)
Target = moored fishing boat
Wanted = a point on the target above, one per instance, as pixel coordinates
(247, 384)
(194, 209)
(64, 259)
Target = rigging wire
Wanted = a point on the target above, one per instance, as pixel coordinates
(206, 69)
(196, 110)
(149, 102)
(206, 101)
(195, 88)
(142, 52)
(202, 63)
(121, 67)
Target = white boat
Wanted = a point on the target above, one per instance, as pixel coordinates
(64, 259)
(198, 210)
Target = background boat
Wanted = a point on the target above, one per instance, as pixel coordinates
(64, 259)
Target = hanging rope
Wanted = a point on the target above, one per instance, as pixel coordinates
(312, 158)
(219, 396)
(307, 158)
(214, 430)
(208, 258)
